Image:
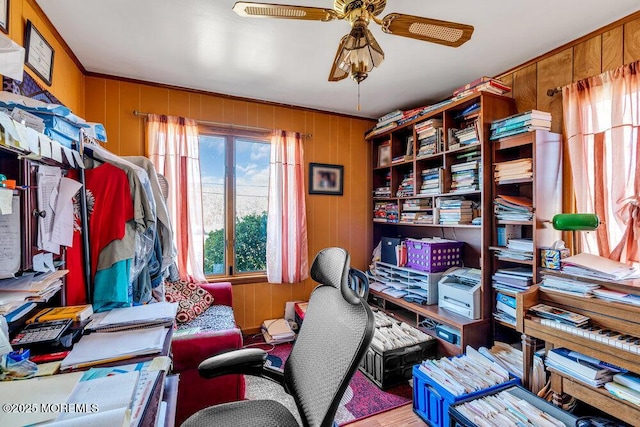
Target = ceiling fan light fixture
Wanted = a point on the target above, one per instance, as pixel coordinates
(360, 52)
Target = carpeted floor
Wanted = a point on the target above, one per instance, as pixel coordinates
(362, 398)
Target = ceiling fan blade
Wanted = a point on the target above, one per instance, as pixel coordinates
(265, 10)
(337, 73)
(426, 29)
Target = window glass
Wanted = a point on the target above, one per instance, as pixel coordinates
(235, 185)
(212, 171)
(251, 190)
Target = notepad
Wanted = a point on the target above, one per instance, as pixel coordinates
(148, 315)
(99, 348)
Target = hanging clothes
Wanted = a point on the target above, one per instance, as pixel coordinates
(109, 207)
(163, 226)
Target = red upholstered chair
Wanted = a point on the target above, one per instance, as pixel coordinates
(194, 392)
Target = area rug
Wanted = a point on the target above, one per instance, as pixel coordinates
(361, 399)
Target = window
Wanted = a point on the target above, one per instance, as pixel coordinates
(235, 184)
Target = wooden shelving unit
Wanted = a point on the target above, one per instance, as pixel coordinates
(476, 236)
(544, 189)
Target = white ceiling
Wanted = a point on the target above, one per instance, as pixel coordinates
(204, 45)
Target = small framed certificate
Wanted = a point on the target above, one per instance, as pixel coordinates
(38, 53)
(4, 16)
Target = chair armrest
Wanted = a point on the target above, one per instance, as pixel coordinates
(221, 291)
(246, 361)
(189, 350)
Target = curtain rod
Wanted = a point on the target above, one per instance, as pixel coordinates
(227, 125)
(551, 92)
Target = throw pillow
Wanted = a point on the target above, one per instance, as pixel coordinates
(192, 299)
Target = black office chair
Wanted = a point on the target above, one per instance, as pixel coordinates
(337, 330)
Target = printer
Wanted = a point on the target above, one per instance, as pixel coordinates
(459, 291)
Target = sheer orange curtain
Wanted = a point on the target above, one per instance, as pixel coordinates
(173, 147)
(287, 253)
(601, 121)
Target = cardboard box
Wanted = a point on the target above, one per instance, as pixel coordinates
(551, 258)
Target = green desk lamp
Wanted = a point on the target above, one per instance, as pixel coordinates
(576, 222)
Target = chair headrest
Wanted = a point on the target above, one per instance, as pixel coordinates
(331, 267)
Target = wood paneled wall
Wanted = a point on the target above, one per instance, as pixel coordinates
(332, 220)
(602, 50)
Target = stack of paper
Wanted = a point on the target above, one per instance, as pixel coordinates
(515, 279)
(595, 266)
(581, 367)
(513, 208)
(513, 171)
(276, 331)
(465, 374)
(148, 315)
(609, 295)
(568, 286)
(97, 348)
(33, 287)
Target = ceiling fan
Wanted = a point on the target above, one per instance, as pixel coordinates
(359, 51)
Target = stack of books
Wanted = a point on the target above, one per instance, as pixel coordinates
(386, 122)
(405, 189)
(382, 191)
(513, 171)
(581, 367)
(76, 313)
(408, 217)
(454, 211)
(513, 208)
(277, 331)
(559, 315)
(625, 386)
(465, 176)
(518, 249)
(513, 280)
(385, 212)
(430, 137)
(520, 123)
(482, 84)
(431, 181)
(415, 205)
(505, 308)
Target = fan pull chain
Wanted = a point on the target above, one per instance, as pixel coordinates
(358, 96)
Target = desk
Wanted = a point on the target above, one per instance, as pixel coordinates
(35, 393)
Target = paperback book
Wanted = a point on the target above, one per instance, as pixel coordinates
(559, 314)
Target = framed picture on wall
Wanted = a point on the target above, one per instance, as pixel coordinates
(325, 179)
(4, 16)
(38, 53)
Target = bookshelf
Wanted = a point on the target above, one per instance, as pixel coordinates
(440, 156)
(537, 159)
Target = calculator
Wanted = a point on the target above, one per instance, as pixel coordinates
(41, 334)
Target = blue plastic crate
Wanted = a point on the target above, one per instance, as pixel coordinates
(431, 401)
